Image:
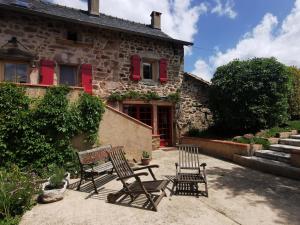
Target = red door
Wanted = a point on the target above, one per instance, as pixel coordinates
(164, 114)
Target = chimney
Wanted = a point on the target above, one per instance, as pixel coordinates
(93, 7)
(155, 20)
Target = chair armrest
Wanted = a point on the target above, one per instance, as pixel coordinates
(136, 175)
(146, 167)
(203, 165)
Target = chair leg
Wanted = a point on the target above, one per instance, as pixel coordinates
(173, 187)
(152, 202)
(96, 191)
(206, 189)
(78, 186)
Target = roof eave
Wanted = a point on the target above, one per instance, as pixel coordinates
(32, 12)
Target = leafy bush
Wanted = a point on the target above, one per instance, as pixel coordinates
(256, 140)
(250, 95)
(16, 191)
(294, 99)
(38, 134)
(56, 180)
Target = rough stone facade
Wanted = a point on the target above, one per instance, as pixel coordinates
(192, 110)
(108, 51)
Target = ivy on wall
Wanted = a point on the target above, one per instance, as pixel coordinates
(145, 96)
(37, 132)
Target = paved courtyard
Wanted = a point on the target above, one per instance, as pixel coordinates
(237, 195)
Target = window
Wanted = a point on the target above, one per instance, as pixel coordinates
(147, 71)
(16, 72)
(142, 113)
(68, 75)
(72, 36)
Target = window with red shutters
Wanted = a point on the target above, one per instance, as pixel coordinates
(163, 73)
(86, 77)
(47, 72)
(135, 68)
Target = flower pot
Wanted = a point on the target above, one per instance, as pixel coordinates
(53, 195)
(145, 161)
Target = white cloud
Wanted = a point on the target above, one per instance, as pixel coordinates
(225, 8)
(202, 69)
(269, 38)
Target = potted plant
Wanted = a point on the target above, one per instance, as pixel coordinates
(54, 188)
(145, 158)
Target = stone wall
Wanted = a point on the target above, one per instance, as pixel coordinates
(192, 111)
(108, 51)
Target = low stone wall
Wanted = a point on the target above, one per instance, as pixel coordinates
(155, 142)
(118, 129)
(295, 158)
(218, 148)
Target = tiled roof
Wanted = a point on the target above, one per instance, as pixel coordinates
(197, 78)
(43, 8)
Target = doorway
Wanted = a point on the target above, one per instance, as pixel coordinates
(164, 114)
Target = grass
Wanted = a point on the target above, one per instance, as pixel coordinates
(256, 140)
(290, 125)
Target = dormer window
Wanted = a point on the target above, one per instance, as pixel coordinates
(72, 36)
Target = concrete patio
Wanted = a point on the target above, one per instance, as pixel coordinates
(237, 195)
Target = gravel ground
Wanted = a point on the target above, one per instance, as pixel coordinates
(237, 195)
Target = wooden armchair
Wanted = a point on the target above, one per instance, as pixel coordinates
(137, 187)
(189, 171)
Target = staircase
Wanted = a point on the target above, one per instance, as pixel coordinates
(276, 159)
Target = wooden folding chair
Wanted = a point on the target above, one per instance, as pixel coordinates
(137, 187)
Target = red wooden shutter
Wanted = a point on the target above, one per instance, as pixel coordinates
(47, 72)
(163, 73)
(135, 68)
(86, 77)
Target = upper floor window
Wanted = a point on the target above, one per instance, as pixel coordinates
(15, 72)
(72, 36)
(149, 69)
(68, 75)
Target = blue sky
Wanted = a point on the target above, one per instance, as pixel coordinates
(222, 30)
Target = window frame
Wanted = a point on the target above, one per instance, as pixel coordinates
(77, 74)
(155, 68)
(2, 70)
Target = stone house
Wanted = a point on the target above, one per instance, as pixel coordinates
(43, 44)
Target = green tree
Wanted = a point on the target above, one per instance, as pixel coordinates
(251, 94)
(294, 99)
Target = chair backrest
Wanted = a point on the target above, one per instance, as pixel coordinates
(94, 155)
(117, 158)
(188, 156)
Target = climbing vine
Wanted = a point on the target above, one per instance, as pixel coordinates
(36, 133)
(145, 96)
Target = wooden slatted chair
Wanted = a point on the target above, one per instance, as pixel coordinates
(137, 187)
(189, 171)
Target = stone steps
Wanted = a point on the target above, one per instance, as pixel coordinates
(296, 136)
(274, 155)
(290, 141)
(284, 148)
(268, 166)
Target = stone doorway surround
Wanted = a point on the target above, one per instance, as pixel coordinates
(155, 104)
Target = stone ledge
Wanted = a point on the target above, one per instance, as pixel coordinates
(220, 148)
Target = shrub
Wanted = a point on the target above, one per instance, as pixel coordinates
(16, 191)
(250, 95)
(255, 140)
(294, 99)
(38, 134)
(56, 180)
